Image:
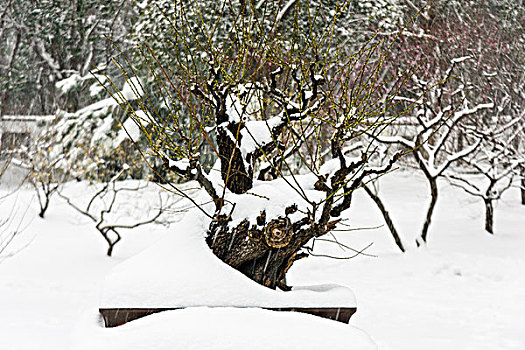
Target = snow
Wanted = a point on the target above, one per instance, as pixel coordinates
(273, 197)
(133, 89)
(28, 118)
(95, 125)
(129, 129)
(234, 108)
(68, 84)
(96, 89)
(100, 133)
(256, 134)
(97, 106)
(132, 129)
(464, 291)
(308, 94)
(75, 81)
(461, 59)
(243, 103)
(181, 271)
(225, 328)
(181, 164)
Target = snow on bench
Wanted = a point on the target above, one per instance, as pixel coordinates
(181, 272)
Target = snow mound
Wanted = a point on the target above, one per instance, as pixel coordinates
(225, 328)
(181, 271)
(133, 89)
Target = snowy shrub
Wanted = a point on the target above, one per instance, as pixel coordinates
(116, 205)
(93, 142)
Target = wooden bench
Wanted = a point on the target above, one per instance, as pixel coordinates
(118, 316)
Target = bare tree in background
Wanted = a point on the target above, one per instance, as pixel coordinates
(104, 209)
(496, 161)
(434, 133)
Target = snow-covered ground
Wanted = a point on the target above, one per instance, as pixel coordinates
(466, 290)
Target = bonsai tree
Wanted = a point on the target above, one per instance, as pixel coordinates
(269, 94)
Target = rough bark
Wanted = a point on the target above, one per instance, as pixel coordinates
(263, 252)
(236, 177)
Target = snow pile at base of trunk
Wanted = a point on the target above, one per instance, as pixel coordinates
(274, 197)
(181, 271)
(224, 328)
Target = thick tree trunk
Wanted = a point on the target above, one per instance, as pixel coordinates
(236, 177)
(489, 216)
(386, 216)
(263, 252)
(434, 197)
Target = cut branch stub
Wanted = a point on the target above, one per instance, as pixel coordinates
(331, 225)
(321, 185)
(291, 209)
(278, 233)
(261, 219)
(255, 235)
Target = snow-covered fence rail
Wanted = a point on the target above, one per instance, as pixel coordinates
(17, 130)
